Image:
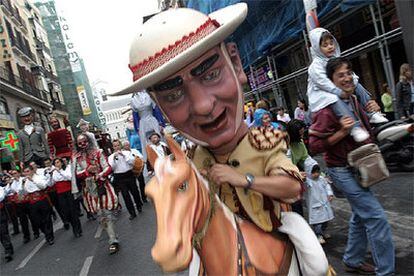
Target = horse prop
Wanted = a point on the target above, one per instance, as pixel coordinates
(190, 215)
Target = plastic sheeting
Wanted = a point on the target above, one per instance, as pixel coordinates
(271, 22)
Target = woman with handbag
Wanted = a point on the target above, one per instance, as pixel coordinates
(100, 198)
(368, 223)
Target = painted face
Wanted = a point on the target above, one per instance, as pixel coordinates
(82, 142)
(54, 123)
(342, 78)
(204, 99)
(27, 120)
(328, 47)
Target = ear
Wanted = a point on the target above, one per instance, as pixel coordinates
(151, 155)
(236, 61)
(175, 148)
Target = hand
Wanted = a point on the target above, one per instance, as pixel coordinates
(303, 174)
(21, 166)
(346, 123)
(330, 198)
(372, 106)
(221, 174)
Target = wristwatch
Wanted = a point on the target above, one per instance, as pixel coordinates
(250, 180)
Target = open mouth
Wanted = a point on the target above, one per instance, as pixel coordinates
(216, 124)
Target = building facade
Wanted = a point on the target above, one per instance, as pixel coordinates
(27, 70)
(274, 45)
(71, 71)
(116, 112)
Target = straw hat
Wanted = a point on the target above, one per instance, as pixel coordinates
(174, 38)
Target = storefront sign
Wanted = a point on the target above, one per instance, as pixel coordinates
(10, 141)
(6, 124)
(86, 110)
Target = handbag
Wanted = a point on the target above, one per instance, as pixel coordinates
(369, 164)
(138, 166)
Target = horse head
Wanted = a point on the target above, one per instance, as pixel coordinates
(179, 199)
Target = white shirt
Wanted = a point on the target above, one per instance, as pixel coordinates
(61, 175)
(37, 184)
(44, 174)
(29, 129)
(16, 185)
(3, 193)
(121, 163)
(159, 149)
(285, 118)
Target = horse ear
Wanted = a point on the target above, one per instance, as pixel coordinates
(175, 148)
(151, 155)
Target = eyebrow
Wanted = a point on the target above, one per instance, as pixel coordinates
(197, 71)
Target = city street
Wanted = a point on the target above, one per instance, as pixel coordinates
(88, 255)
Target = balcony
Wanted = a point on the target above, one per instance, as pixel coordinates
(18, 82)
(22, 50)
(6, 7)
(58, 105)
(51, 76)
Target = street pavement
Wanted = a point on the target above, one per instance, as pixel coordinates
(88, 255)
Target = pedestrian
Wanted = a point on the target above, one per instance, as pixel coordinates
(20, 203)
(386, 99)
(197, 82)
(157, 145)
(322, 92)
(368, 223)
(298, 153)
(137, 154)
(318, 196)
(4, 227)
(61, 177)
(282, 116)
(51, 190)
(34, 186)
(92, 169)
(404, 91)
(122, 162)
(263, 118)
(33, 145)
(300, 110)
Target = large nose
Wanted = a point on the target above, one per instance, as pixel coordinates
(201, 97)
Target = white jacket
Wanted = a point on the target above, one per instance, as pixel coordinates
(321, 90)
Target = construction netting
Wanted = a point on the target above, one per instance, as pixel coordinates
(271, 22)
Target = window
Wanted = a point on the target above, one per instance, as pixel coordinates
(4, 109)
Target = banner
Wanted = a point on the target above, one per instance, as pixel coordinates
(86, 110)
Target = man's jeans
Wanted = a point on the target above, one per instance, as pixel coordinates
(368, 224)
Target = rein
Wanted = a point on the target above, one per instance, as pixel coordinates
(199, 236)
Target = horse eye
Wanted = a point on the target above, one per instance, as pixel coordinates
(183, 187)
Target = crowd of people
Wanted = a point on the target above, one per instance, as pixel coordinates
(260, 169)
(57, 177)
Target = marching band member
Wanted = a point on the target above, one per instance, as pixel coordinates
(4, 230)
(34, 186)
(61, 177)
